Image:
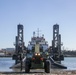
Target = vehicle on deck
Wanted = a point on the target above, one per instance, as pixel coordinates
(37, 56)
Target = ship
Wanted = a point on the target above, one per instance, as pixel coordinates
(38, 54)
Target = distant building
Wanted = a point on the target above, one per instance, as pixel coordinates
(2, 54)
(8, 51)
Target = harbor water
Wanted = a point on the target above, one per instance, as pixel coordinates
(7, 62)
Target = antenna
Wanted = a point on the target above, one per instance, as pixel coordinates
(34, 34)
(38, 31)
(42, 35)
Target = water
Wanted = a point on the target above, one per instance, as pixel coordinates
(70, 62)
(6, 63)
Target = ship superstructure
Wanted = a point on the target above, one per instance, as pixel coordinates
(38, 40)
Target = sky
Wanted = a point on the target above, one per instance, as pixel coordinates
(34, 14)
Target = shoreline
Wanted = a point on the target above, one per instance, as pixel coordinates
(58, 72)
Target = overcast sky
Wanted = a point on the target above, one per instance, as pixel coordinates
(42, 14)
